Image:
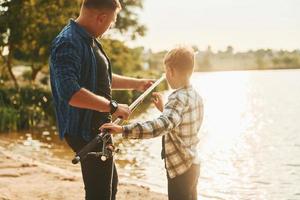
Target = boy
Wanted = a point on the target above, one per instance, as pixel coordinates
(179, 125)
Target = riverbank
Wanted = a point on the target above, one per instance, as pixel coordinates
(25, 178)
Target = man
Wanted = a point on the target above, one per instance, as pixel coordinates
(81, 83)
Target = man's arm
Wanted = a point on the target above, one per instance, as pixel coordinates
(66, 70)
(88, 100)
(127, 83)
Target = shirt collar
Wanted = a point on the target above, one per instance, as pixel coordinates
(81, 31)
(187, 87)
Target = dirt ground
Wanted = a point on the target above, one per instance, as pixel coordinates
(25, 179)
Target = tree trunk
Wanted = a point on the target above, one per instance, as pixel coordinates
(9, 67)
(34, 71)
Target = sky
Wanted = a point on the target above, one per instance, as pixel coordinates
(243, 24)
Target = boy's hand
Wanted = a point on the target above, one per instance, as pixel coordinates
(113, 128)
(158, 101)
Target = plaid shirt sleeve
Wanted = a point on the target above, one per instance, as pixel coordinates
(66, 68)
(170, 118)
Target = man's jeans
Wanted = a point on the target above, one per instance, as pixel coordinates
(100, 178)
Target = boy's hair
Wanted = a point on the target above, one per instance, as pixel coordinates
(100, 4)
(181, 58)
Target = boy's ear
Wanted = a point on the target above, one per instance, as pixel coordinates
(172, 71)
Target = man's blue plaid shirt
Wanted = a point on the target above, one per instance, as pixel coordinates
(72, 67)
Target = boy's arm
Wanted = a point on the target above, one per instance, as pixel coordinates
(170, 118)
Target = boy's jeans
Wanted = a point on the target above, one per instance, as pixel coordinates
(99, 181)
(184, 187)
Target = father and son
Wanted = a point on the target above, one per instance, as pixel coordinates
(81, 82)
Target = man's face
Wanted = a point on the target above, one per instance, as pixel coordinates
(105, 20)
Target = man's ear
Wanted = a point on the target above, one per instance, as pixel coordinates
(101, 18)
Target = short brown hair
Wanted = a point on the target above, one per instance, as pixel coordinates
(100, 4)
(181, 58)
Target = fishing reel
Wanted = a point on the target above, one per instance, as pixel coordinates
(108, 149)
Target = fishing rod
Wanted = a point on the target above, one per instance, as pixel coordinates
(106, 138)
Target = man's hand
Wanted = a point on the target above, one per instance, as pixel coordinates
(113, 128)
(122, 111)
(144, 84)
(158, 101)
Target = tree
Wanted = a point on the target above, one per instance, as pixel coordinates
(43, 22)
(10, 31)
(206, 62)
(287, 60)
(27, 28)
(155, 60)
(128, 19)
(229, 50)
(124, 59)
(260, 58)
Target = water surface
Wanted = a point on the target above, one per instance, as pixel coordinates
(250, 139)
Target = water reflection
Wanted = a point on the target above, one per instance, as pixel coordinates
(244, 145)
(250, 146)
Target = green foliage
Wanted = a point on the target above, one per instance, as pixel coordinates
(43, 20)
(25, 109)
(9, 119)
(27, 27)
(128, 19)
(127, 61)
(291, 60)
(27, 75)
(155, 60)
(123, 96)
(32, 107)
(123, 58)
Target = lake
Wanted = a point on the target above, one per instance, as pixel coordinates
(250, 139)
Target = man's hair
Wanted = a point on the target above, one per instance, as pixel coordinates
(181, 58)
(102, 4)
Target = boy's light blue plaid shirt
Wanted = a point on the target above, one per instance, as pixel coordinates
(180, 122)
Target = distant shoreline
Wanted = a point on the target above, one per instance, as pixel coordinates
(249, 69)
